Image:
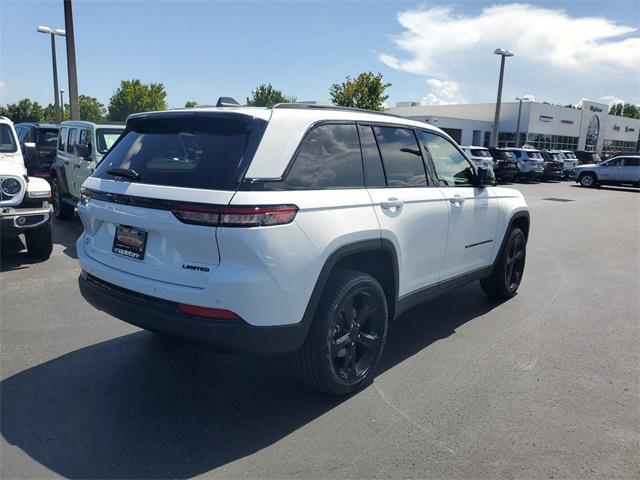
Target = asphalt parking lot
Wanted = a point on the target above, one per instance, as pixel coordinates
(545, 385)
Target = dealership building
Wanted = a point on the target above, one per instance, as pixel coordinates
(541, 125)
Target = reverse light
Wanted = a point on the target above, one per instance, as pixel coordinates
(236, 216)
(216, 313)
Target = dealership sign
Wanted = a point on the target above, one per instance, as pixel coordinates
(545, 118)
(568, 122)
(629, 129)
(593, 108)
(616, 128)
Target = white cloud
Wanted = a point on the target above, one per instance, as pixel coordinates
(528, 98)
(554, 51)
(611, 99)
(443, 92)
(539, 34)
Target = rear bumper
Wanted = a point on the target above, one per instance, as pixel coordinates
(163, 316)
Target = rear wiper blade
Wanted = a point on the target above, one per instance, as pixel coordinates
(124, 172)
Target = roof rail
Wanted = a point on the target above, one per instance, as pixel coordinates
(314, 106)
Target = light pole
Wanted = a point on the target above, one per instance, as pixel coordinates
(62, 101)
(520, 99)
(53, 32)
(503, 54)
(71, 62)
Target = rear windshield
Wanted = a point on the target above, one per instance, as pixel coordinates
(7, 142)
(481, 153)
(106, 137)
(210, 151)
(48, 137)
(534, 154)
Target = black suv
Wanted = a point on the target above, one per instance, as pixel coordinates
(553, 166)
(506, 164)
(38, 143)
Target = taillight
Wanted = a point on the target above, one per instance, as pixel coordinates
(236, 216)
(216, 313)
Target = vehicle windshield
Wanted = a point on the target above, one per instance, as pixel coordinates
(210, 151)
(509, 155)
(48, 137)
(106, 137)
(480, 153)
(560, 156)
(534, 154)
(7, 140)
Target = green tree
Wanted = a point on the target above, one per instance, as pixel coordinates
(91, 109)
(367, 90)
(190, 104)
(266, 96)
(25, 110)
(134, 96)
(630, 111)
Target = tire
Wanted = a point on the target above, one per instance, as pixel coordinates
(344, 344)
(507, 274)
(40, 241)
(61, 210)
(588, 180)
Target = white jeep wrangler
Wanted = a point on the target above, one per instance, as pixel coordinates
(24, 201)
(294, 229)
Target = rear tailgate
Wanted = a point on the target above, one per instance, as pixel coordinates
(136, 222)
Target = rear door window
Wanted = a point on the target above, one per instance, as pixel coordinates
(47, 137)
(73, 139)
(631, 162)
(329, 158)
(374, 171)
(210, 151)
(401, 157)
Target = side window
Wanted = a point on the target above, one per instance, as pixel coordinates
(371, 155)
(62, 139)
(452, 168)
(631, 162)
(85, 137)
(329, 158)
(616, 162)
(26, 136)
(401, 157)
(73, 139)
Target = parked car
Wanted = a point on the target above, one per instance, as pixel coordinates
(38, 145)
(587, 158)
(260, 230)
(570, 163)
(530, 163)
(553, 165)
(506, 164)
(480, 156)
(24, 200)
(623, 170)
(80, 147)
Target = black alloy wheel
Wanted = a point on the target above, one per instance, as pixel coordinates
(357, 335)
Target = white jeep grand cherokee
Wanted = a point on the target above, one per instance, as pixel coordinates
(294, 229)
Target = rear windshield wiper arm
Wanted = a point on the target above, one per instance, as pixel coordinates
(124, 172)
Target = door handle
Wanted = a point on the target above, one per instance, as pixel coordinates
(457, 200)
(392, 202)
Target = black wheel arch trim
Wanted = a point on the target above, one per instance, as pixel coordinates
(363, 246)
(57, 171)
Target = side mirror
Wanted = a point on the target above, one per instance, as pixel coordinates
(485, 177)
(82, 151)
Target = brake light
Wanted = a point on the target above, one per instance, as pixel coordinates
(236, 216)
(217, 313)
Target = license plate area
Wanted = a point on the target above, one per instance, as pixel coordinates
(129, 242)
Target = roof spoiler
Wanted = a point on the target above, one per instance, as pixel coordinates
(227, 102)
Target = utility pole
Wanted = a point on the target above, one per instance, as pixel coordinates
(71, 61)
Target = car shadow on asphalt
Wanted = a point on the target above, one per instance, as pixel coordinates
(14, 250)
(604, 188)
(140, 406)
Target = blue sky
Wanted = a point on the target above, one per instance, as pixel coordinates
(437, 52)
